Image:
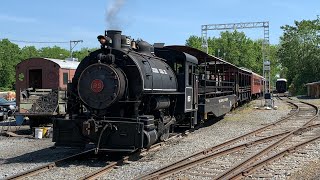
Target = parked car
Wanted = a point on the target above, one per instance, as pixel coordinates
(3, 113)
(9, 105)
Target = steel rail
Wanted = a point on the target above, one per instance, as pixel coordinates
(101, 171)
(48, 166)
(272, 158)
(165, 172)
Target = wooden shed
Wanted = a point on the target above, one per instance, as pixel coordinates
(44, 73)
(313, 89)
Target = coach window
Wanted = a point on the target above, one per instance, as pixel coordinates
(190, 75)
(65, 78)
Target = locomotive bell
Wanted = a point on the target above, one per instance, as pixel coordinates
(133, 44)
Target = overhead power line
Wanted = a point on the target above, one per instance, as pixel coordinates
(37, 42)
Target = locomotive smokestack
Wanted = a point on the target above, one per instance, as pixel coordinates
(116, 38)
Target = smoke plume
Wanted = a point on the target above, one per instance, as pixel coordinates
(112, 18)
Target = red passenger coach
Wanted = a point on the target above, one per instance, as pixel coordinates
(257, 82)
(41, 85)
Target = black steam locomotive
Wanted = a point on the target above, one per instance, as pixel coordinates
(129, 94)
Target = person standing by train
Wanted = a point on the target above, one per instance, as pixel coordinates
(104, 41)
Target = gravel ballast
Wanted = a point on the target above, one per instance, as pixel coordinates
(19, 154)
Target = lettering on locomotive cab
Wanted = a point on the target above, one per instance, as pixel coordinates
(155, 70)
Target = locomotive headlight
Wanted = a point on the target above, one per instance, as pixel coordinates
(97, 85)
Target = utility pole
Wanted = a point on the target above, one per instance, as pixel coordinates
(73, 44)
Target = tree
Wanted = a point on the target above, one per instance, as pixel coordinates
(83, 53)
(299, 53)
(29, 52)
(9, 57)
(194, 41)
(54, 52)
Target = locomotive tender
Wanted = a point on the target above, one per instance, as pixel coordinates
(128, 95)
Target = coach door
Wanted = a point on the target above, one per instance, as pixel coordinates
(190, 90)
(35, 78)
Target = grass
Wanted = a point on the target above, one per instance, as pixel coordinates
(236, 114)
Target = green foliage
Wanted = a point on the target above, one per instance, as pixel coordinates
(54, 52)
(29, 52)
(194, 41)
(9, 57)
(299, 54)
(238, 49)
(83, 53)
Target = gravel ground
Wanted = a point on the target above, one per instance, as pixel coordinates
(309, 167)
(19, 154)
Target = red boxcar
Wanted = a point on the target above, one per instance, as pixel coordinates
(41, 85)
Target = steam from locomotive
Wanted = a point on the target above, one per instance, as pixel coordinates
(112, 12)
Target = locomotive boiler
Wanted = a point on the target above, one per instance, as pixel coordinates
(122, 97)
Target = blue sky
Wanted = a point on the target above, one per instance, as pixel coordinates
(168, 21)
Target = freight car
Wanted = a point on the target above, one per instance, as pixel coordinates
(41, 85)
(128, 95)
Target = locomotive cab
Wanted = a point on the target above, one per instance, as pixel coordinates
(185, 68)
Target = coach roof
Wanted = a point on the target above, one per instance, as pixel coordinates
(64, 64)
(200, 55)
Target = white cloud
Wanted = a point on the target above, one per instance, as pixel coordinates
(9, 18)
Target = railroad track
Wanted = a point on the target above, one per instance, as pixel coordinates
(49, 166)
(247, 154)
(111, 165)
(86, 155)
